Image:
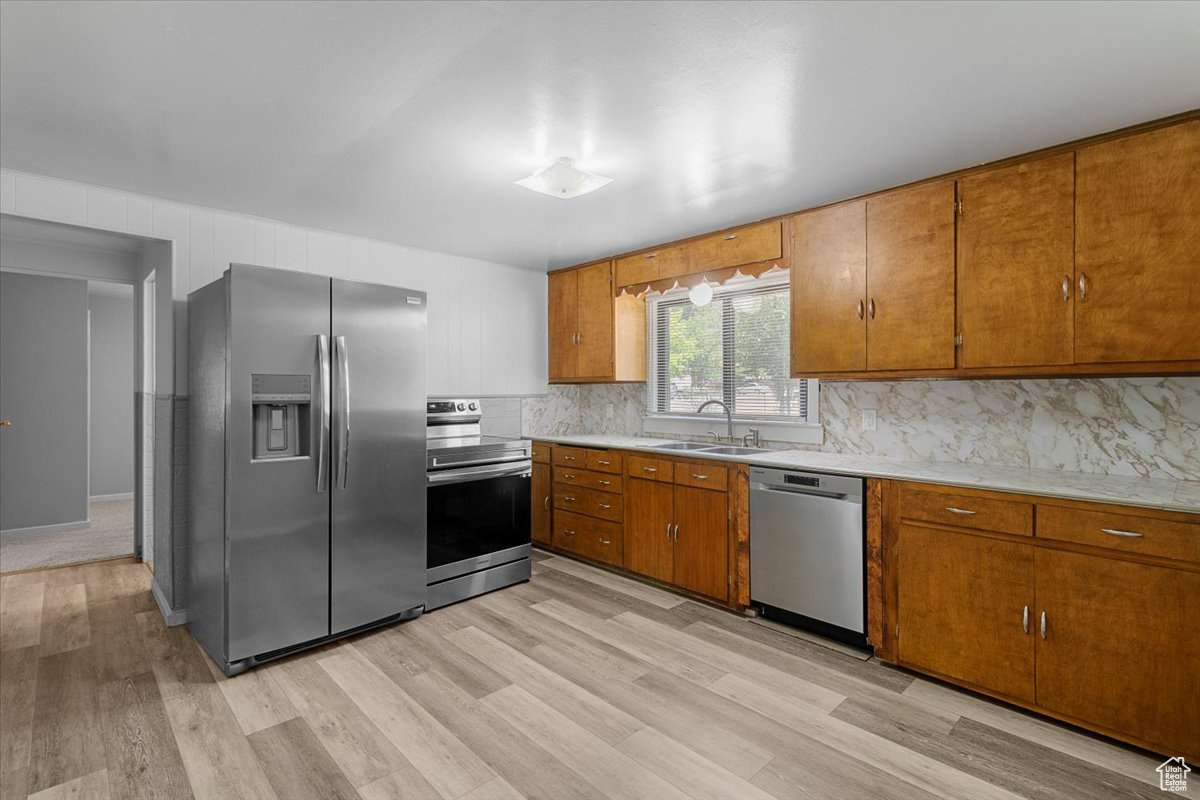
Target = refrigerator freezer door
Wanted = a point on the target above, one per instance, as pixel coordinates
(277, 545)
(378, 496)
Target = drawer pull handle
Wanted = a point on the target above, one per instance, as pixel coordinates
(668, 531)
(568, 499)
(651, 255)
(1025, 620)
(604, 483)
(568, 476)
(605, 541)
(603, 505)
(677, 532)
(1125, 534)
(699, 477)
(568, 533)
(546, 502)
(1043, 625)
(731, 237)
(568, 458)
(605, 463)
(966, 511)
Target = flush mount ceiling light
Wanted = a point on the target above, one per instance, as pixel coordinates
(563, 180)
(701, 294)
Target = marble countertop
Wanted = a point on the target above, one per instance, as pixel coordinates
(1162, 493)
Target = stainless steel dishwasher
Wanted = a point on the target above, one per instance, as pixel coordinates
(806, 551)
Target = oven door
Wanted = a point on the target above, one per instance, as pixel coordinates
(478, 518)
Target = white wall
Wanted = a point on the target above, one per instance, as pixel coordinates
(487, 321)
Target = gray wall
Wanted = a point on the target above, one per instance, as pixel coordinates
(112, 394)
(43, 390)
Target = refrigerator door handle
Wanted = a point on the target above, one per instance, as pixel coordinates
(323, 398)
(342, 357)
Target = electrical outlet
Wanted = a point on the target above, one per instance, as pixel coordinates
(868, 419)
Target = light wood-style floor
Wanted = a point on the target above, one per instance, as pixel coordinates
(579, 684)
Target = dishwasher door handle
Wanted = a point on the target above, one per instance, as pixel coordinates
(762, 487)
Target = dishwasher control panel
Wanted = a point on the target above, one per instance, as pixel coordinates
(802, 480)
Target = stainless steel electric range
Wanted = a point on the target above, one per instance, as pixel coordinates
(478, 496)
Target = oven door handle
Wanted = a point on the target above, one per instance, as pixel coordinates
(444, 463)
(522, 469)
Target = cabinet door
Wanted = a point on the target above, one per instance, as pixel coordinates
(648, 517)
(962, 608)
(910, 278)
(829, 288)
(595, 314)
(702, 548)
(539, 503)
(563, 300)
(1120, 647)
(1138, 247)
(1016, 264)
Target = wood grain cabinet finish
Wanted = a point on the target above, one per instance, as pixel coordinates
(829, 290)
(1016, 264)
(967, 510)
(1123, 532)
(649, 516)
(589, 537)
(701, 553)
(654, 469)
(703, 476)
(569, 457)
(1120, 649)
(642, 268)
(594, 336)
(604, 461)
(910, 278)
(966, 608)
(748, 245)
(601, 481)
(540, 453)
(540, 501)
(592, 502)
(1137, 206)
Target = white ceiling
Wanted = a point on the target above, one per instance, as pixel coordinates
(409, 121)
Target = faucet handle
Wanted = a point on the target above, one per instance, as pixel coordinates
(753, 437)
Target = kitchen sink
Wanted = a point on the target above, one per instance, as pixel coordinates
(731, 450)
(681, 446)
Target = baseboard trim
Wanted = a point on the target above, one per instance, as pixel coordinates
(82, 524)
(105, 498)
(172, 618)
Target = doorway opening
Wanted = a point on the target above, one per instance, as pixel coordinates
(79, 355)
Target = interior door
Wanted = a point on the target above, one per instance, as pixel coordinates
(595, 314)
(1138, 247)
(1120, 648)
(964, 602)
(1016, 264)
(377, 546)
(539, 503)
(829, 287)
(702, 549)
(649, 513)
(910, 278)
(277, 547)
(563, 294)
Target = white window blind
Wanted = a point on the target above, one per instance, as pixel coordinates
(735, 349)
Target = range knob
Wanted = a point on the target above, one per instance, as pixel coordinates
(462, 406)
(474, 406)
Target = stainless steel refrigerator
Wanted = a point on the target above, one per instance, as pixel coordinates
(306, 461)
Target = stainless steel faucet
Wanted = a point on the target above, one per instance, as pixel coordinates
(728, 419)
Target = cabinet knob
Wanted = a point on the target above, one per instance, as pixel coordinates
(1043, 625)
(606, 541)
(604, 483)
(1066, 288)
(859, 310)
(871, 308)
(568, 533)
(604, 505)
(1025, 619)
(1083, 286)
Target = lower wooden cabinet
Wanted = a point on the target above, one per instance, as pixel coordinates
(1120, 648)
(540, 502)
(589, 537)
(649, 513)
(958, 589)
(1086, 614)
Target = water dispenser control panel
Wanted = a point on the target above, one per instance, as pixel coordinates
(281, 406)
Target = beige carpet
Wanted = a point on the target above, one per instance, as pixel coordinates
(110, 534)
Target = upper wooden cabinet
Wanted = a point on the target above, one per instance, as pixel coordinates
(748, 245)
(594, 336)
(1137, 217)
(829, 290)
(1016, 264)
(650, 266)
(873, 284)
(910, 278)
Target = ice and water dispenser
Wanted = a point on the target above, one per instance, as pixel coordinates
(281, 415)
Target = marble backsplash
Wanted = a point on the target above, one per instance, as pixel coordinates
(1113, 426)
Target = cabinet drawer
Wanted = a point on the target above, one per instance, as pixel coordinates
(968, 511)
(655, 469)
(589, 537)
(540, 453)
(604, 461)
(570, 456)
(747, 245)
(701, 476)
(1125, 532)
(592, 502)
(604, 481)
